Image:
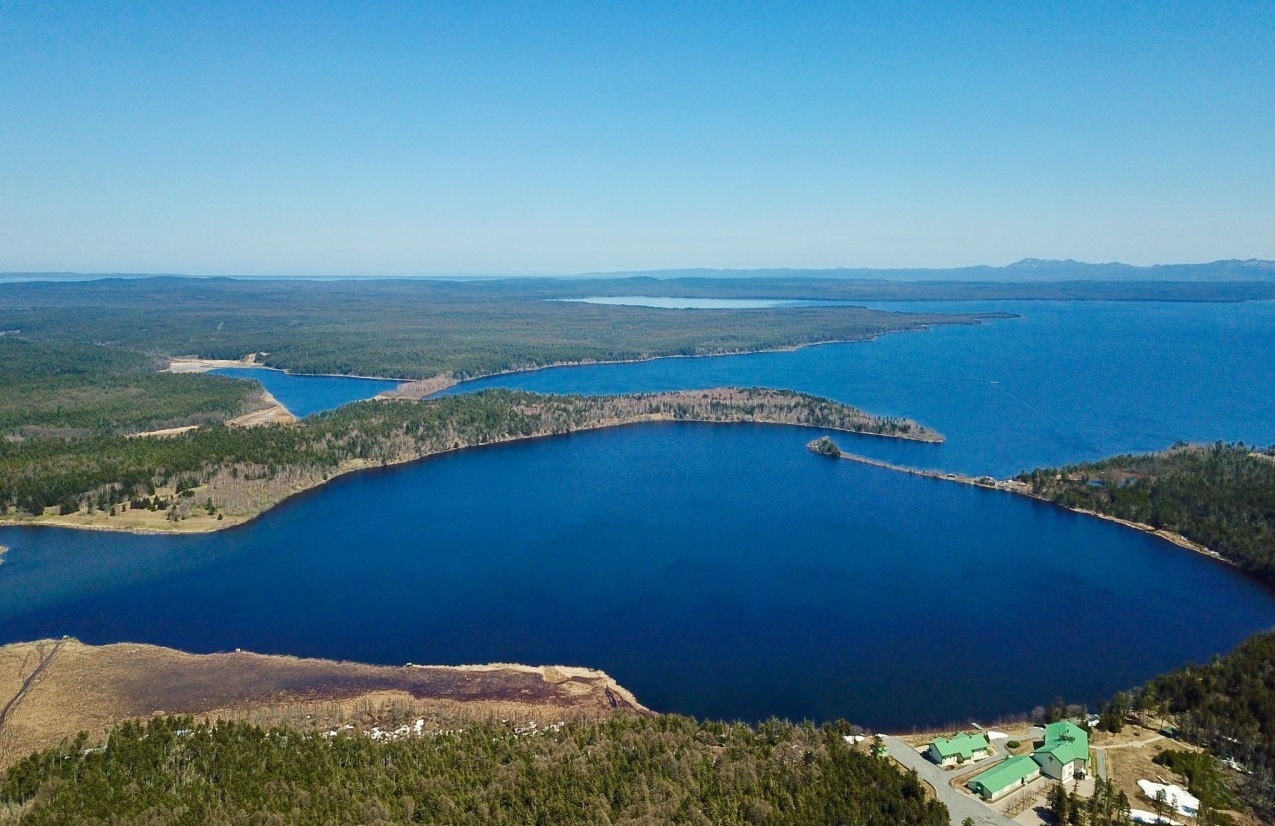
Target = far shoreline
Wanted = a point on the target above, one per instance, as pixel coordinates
(445, 380)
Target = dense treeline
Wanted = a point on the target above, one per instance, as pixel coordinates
(1228, 706)
(1221, 496)
(1204, 780)
(103, 472)
(1107, 806)
(69, 389)
(407, 329)
(627, 770)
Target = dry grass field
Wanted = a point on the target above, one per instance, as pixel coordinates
(53, 689)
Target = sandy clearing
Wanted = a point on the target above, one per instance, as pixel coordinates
(272, 413)
(167, 431)
(420, 388)
(198, 365)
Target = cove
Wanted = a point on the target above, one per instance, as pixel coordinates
(716, 570)
(305, 395)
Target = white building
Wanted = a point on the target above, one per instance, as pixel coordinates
(1065, 753)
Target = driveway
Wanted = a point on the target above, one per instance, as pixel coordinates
(959, 804)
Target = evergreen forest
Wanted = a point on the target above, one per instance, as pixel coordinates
(407, 328)
(627, 770)
(1221, 496)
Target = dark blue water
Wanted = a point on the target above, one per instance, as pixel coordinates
(1066, 382)
(306, 395)
(715, 570)
(724, 570)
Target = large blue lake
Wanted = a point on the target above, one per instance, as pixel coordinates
(724, 570)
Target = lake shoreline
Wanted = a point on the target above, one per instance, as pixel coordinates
(445, 380)
(1022, 489)
(979, 318)
(199, 522)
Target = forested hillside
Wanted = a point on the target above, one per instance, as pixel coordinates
(1221, 496)
(240, 471)
(79, 389)
(1227, 705)
(625, 771)
(408, 328)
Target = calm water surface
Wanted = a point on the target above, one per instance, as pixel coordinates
(721, 571)
(724, 570)
(306, 395)
(1066, 382)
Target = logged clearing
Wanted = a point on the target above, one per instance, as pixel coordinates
(1131, 757)
(53, 689)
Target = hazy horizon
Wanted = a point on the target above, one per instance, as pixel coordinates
(1267, 267)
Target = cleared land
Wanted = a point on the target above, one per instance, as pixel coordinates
(53, 689)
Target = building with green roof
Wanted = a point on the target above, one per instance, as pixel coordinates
(1065, 752)
(962, 748)
(1005, 777)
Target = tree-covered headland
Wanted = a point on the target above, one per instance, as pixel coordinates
(1221, 496)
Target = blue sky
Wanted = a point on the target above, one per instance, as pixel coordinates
(405, 138)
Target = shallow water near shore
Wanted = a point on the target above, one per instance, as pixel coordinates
(724, 570)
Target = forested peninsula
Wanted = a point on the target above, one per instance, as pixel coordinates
(1220, 496)
(214, 477)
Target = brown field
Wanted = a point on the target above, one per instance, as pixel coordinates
(53, 689)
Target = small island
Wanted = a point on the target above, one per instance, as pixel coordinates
(215, 477)
(825, 447)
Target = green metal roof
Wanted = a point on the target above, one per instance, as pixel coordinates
(1004, 775)
(1066, 741)
(962, 744)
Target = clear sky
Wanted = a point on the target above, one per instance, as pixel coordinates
(429, 138)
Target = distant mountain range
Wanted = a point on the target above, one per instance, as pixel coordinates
(1027, 270)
